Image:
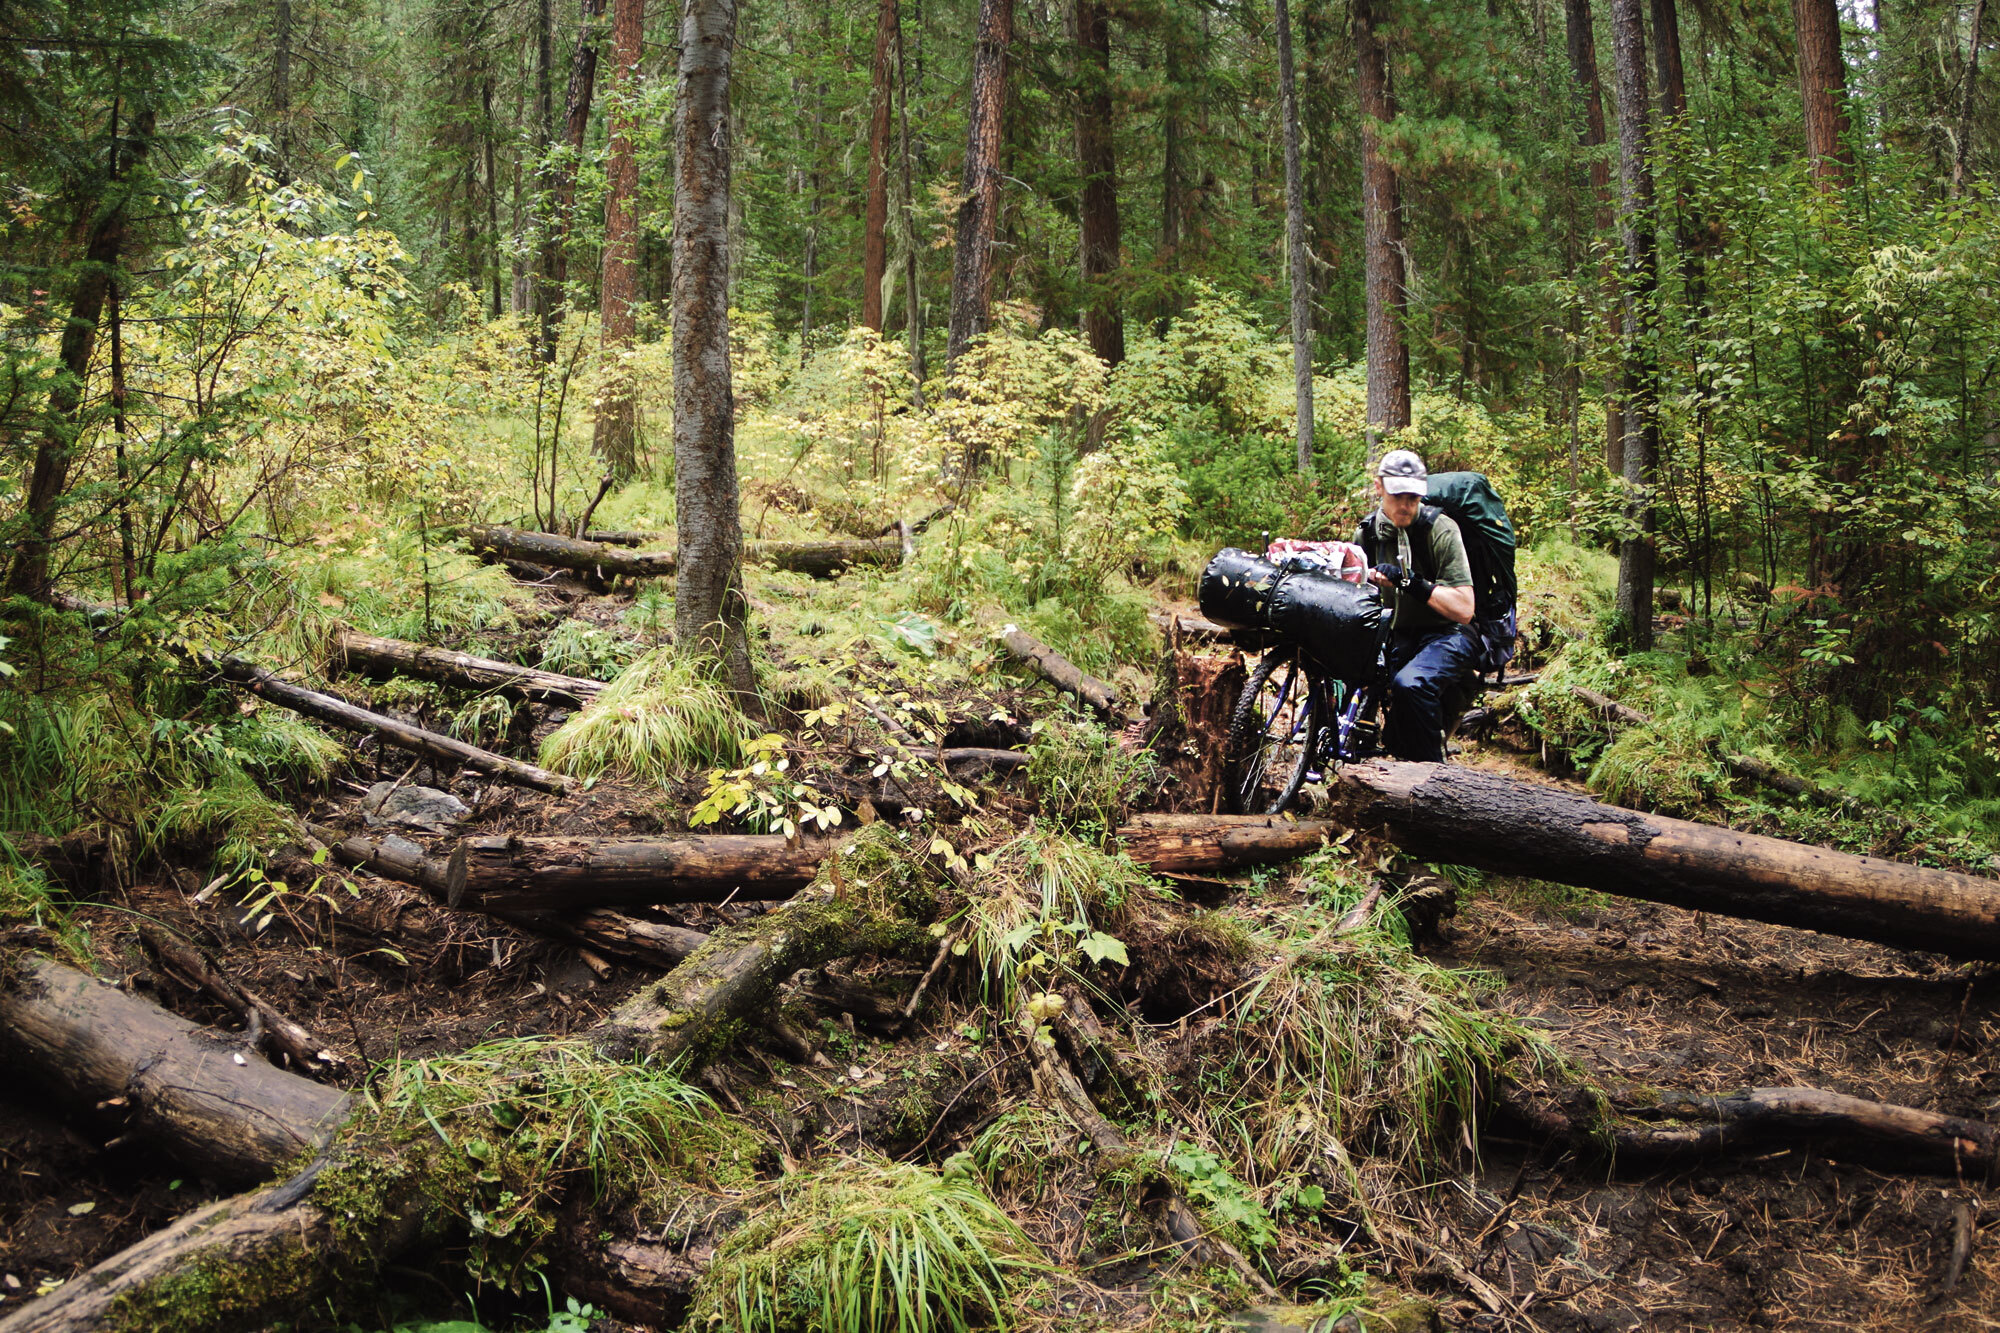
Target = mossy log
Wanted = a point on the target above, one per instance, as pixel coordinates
(1450, 813)
(89, 1045)
(540, 874)
(1679, 1125)
(1748, 767)
(694, 1009)
(1059, 671)
(818, 559)
(266, 684)
(371, 655)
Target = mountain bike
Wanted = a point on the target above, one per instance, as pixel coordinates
(1297, 722)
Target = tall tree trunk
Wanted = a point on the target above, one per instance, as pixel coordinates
(913, 303)
(1640, 373)
(576, 125)
(1096, 155)
(1961, 149)
(1382, 237)
(49, 478)
(617, 427)
(710, 616)
(281, 90)
(875, 238)
(492, 189)
(543, 293)
(1823, 85)
(972, 261)
(1295, 241)
(1582, 43)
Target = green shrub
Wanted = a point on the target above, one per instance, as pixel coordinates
(661, 719)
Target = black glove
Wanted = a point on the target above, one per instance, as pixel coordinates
(1420, 589)
(1391, 571)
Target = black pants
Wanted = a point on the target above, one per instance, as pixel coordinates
(1426, 665)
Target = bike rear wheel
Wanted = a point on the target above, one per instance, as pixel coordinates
(1272, 735)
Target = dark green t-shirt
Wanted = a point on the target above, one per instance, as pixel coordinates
(1447, 560)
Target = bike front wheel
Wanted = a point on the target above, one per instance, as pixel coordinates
(1272, 736)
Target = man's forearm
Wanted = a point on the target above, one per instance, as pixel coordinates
(1454, 604)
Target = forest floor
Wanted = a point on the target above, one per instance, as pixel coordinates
(1632, 993)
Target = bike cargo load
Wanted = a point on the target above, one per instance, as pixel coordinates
(1236, 589)
(1338, 623)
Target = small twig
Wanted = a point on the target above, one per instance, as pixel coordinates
(917, 996)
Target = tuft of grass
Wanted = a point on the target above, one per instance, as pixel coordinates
(866, 1245)
(579, 648)
(662, 718)
(1357, 1047)
(1082, 781)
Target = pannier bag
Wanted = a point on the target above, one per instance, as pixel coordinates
(1236, 589)
(1338, 623)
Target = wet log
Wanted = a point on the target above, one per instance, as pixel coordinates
(268, 1029)
(1204, 844)
(389, 856)
(367, 654)
(513, 874)
(92, 1046)
(1450, 813)
(1059, 671)
(818, 559)
(649, 943)
(1681, 1125)
(265, 684)
(543, 874)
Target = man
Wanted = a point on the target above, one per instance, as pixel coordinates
(1421, 564)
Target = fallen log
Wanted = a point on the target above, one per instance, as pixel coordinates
(266, 684)
(84, 860)
(268, 1029)
(512, 874)
(368, 654)
(819, 559)
(93, 1047)
(541, 874)
(1059, 671)
(390, 856)
(1449, 813)
(1678, 1125)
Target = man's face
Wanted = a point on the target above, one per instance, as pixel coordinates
(1401, 509)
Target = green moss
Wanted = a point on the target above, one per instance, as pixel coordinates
(223, 1289)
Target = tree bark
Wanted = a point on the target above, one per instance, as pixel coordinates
(376, 656)
(513, 874)
(1823, 86)
(339, 713)
(91, 1044)
(972, 259)
(49, 477)
(1581, 41)
(576, 125)
(1961, 149)
(875, 232)
(1449, 813)
(544, 294)
(1099, 239)
(1382, 237)
(1059, 671)
(616, 432)
(711, 617)
(1295, 242)
(542, 874)
(1640, 372)
(819, 559)
(1680, 1125)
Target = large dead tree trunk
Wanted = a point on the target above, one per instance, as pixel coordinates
(340, 713)
(89, 1044)
(513, 874)
(377, 656)
(1448, 813)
